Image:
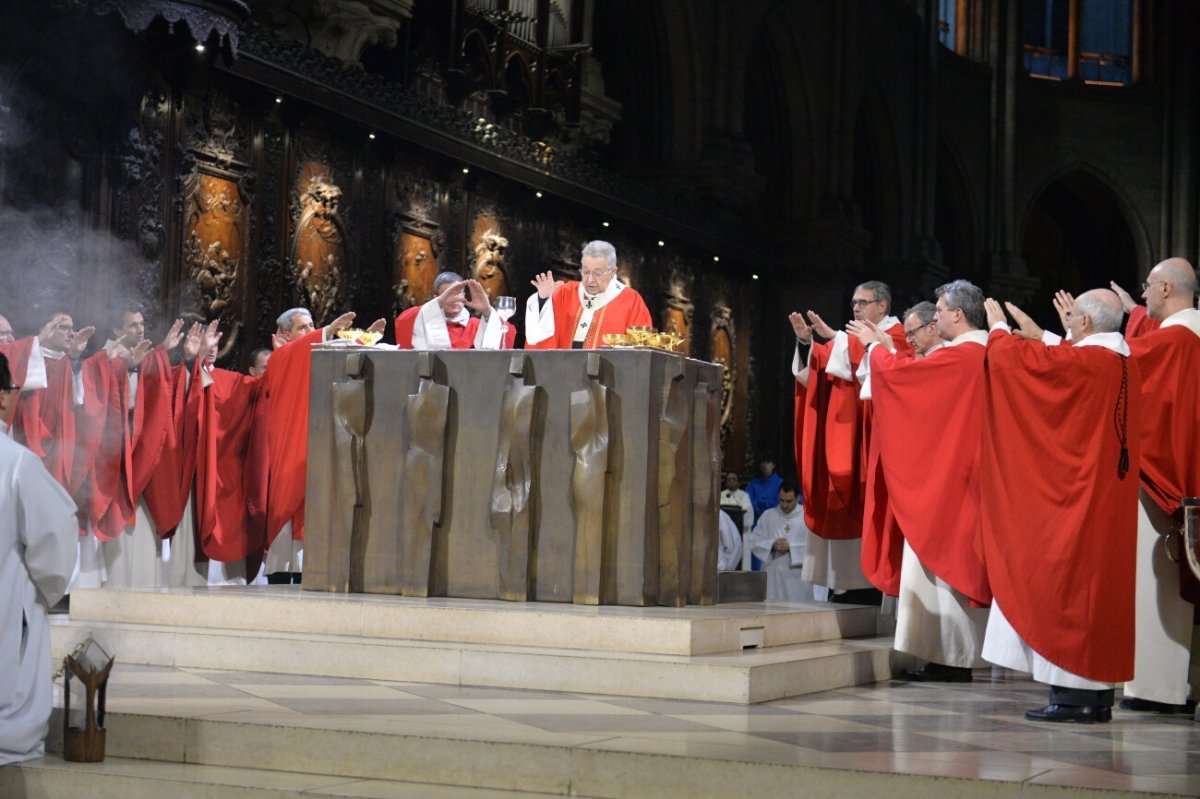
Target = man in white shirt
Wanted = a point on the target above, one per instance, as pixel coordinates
(37, 555)
(778, 541)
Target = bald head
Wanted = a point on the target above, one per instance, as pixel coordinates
(1170, 288)
(6, 332)
(1101, 311)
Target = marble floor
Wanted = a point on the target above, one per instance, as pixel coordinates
(974, 731)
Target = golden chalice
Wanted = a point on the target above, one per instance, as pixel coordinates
(639, 334)
(674, 340)
(615, 340)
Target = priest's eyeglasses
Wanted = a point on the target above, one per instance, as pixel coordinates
(594, 275)
(862, 303)
(11, 388)
(912, 334)
(1146, 286)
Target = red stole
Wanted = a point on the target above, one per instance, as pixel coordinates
(623, 311)
(927, 422)
(1060, 532)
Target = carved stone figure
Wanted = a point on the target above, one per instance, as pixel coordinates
(350, 481)
(722, 343)
(515, 475)
(589, 482)
(677, 317)
(318, 252)
(427, 413)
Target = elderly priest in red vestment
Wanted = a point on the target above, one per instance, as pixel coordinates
(1059, 464)
(576, 315)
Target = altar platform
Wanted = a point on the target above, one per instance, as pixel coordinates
(202, 702)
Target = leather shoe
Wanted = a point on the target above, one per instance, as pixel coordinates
(1080, 714)
(1150, 706)
(936, 672)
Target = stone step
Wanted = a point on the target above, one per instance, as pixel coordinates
(745, 676)
(122, 778)
(694, 630)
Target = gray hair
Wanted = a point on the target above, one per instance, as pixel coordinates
(968, 297)
(879, 289)
(442, 279)
(601, 249)
(1105, 317)
(923, 310)
(288, 318)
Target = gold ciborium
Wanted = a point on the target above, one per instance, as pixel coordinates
(639, 335)
(615, 339)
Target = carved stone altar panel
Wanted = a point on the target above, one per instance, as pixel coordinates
(674, 477)
(476, 539)
(706, 490)
(319, 241)
(513, 511)
(428, 414)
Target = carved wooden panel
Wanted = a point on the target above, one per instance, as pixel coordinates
(214, 250)
(678, 307)
(416, 265)
(489, 245)
(723, 353)
(319, 242)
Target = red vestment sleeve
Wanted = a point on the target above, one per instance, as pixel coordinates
(1060, 531)
(287, 379)
(927, 420)
(403, 327)
(1140, 323)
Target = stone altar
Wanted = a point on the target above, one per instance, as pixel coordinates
(569, 476)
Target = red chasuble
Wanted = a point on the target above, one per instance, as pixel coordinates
(45, 422)
(620, 313)
(832, 441)
(223, 520)
(287, 386)
(1140, 323)
(1060, 532)
(1169, 360)
(167, 490)
(927, 416)
(462, 337)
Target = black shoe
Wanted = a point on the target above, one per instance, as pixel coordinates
(279, 578)
(1150, 706)
(936, 672)
(1080, 714)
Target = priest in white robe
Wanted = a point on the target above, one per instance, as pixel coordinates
(38, 535)
(778, 540)
(729, 556)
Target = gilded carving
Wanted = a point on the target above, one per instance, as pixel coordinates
(318, 251)
(674, 454)
(417, 251)
(722, 343)
(679, 308)
(427, 413)
(213, 250)
(589, 482)
(489, 267)
(513, 480)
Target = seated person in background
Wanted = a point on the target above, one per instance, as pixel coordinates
(446, 322)
(778, 541)
(729, 557)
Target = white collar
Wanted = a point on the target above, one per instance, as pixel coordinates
(461, 317)
(1109, 341)
(603, 298)
(970, 337)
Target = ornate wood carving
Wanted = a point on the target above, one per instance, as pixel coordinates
(722, 351)
(319, 245)
(142, 162)
(427, 414)
(512, 515)
(590, 483)
(678, 306)
(489, 246)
